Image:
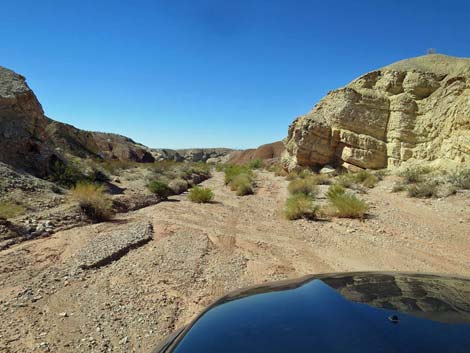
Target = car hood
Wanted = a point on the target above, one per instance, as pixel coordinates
(348, 312)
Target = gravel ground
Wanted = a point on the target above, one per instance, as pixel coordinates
(197, 253)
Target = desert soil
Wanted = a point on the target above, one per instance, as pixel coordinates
(199, 252)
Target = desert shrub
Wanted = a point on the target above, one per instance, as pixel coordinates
(460, 178)
(346, 205)
(231, 171)
(300, 206)
(414, 174)
(178, 185)
(97, 176)
(219, 167)
(66, 174)
(423, 190)
(322, 179)
(200, 195)
(277, 170)
(10, 209)
(398, 187)
(299, 174)
(335, 190)
(292, 175)
(371, 181)
(159, 188)
(355, 180)
(256, 164)
(242, 184)
(345, 180)
(92, 200)
(114, 166)
(303, 186)
(381, 173)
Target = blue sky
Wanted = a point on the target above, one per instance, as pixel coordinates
(202, 73)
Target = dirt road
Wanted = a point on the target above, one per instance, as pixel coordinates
(201, 251)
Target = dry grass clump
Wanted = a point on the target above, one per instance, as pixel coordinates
(199, 194)
(93, 201)
(300, 206)
(305, 186)
(345, 204)
(10, 209)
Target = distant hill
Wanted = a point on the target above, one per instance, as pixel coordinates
(269, 153)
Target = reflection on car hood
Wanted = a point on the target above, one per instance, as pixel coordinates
(359, 312)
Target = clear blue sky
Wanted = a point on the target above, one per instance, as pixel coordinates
(211, 73)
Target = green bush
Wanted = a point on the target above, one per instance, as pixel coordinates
(242, 184)
(9, 209)
(66, 174)
(335, 190)
(346, 205)
(300, 206)
(92, 200)
(255, 164)
(160, 188)
(200, 195)
(303, 186)
(231, 171)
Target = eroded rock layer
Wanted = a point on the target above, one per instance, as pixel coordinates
(416, 109)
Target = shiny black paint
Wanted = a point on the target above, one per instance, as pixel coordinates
(361, 312)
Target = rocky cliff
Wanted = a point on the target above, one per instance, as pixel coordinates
(415, 109)
(31, 141)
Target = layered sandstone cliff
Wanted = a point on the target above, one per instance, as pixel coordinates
(415, 109)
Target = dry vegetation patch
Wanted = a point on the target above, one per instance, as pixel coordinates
(93, 201)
